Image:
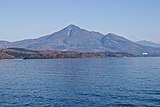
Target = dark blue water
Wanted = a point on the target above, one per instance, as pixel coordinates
(80, 82)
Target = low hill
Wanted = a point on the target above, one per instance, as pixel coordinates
(20, 53)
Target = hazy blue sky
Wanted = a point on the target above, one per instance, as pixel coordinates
(134, 19)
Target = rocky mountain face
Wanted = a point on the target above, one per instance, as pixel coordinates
(73, 38)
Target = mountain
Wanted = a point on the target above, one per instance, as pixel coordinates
(73, 38)
(148, 43)
(117, 43)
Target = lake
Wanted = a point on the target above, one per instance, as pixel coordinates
(95, 82)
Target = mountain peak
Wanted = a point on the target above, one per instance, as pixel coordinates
(72, 26)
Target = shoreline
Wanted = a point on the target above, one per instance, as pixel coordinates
(80, 58)
(24, 54)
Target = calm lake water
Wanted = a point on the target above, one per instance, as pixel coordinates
(93, 82)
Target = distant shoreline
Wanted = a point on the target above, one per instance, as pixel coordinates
(24, 54)
(78, 58)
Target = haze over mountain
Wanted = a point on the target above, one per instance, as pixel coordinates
(73, 38)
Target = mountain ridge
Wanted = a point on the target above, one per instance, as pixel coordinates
(148, 43)
(74, 38)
